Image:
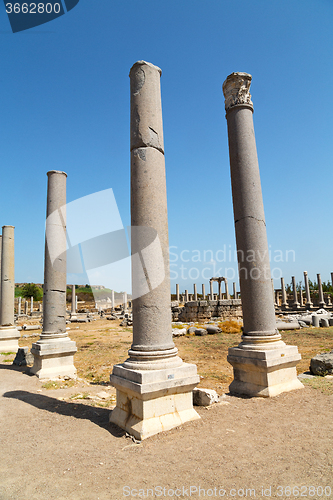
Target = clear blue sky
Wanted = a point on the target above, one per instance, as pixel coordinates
(65, 106)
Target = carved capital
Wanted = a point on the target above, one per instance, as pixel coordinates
(236, 90)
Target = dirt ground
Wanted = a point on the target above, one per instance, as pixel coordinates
(57, 444)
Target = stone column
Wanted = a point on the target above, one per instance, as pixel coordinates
(125, 301)
(226, 289)
(195, 293)
(0, 272)
(19, 306)
(322, 302)
(295, 302)
(186, 295)
(211, 290)
(112, 300)
(301, 302)
(203, 292)
(26, 307)
(177, 292)
(154, 387)
(234, 290)
(54, 351)
(308, 303)
(9, 335)
(263, 364)
(73, 308)
(284, 295)
(220, 290)
(31, 305)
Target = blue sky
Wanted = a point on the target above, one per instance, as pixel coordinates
(65, 106)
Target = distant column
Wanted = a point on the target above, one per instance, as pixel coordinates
(234, 290)
(252, 375)
(73, 309)
(31, 305)
(177, 292)
(19, 306)
(284, 295)
(295, 302)
(322, 302)
(9, 335)
(308, 303)
(220, 290)
(186, 295)
(203, 292)
(54, 351)
(26, 307)
(154, 386)
(125, 301)
(112, 300)
(226, 289)
(195, 293)
(301, 297)
(211, 290)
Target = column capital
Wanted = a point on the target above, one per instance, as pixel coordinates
(236, 90)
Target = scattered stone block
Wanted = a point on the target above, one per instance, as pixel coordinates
(322, 364)
(204, 397)
(23, 357)
(178, 332)
(200, 331)
(212, 329)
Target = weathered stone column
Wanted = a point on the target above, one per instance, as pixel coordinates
(220, 290)
(112, 300)
(295, 302)
(226, 289)
(73, 303)
(263, 364)
(186, 295)
(54, 351)
(301, 301)
(125, 301)
(26, 305)
(154, 387)
(177, 292)
(31, 305)
(195, 293)
(19, 306)
(203, 292)
(322, 302)
(308, 303)
(9, 335)
(284, 295)
(234, 290)
(211, 290)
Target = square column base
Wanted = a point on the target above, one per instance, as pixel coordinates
(54, 359)
(264, 373)
(152, 401)
(9, 336)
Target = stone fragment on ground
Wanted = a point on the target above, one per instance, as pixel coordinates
(178, 332)
(200, 331)
(23, 357)
(204, 397)
(322, 364)
(212, 329)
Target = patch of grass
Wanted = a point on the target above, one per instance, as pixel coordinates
(7, 360)
(85, 395)
(7, 353)
(61, 384)
(230, 326)
(320, 383)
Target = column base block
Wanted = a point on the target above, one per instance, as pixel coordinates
(9, 336)
(54, 360)
(264, 373)
(152, 401)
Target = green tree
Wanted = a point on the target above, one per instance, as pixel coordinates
(32, 290)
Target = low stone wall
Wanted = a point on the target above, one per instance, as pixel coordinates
(203, 310)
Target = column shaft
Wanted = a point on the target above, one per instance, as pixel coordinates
(308, 303)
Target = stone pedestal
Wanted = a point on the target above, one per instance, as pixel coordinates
(154, 386)
(54, 351)
(263, 365)
(9, 335)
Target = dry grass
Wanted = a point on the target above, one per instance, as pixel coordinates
(231, 326)
(102, 344)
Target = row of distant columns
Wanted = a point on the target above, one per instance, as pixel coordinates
(308, 304)
(186, 296)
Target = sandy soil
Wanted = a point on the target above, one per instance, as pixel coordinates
(56, 448)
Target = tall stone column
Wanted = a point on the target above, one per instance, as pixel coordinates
(26, 307)
(154, 386)
(177, 292)
(54, 351)
(322, 302)
(234, 290)
(31, 305)
(195, 293)
(203, 292)
(263, 364)
(284, 295)
(295, 302)
(9, 335)
(211, 290)
(186, 295)
(125, 301)
(73, 308)
(220, 290)
(308, 303)
(301, 301)
(19, 306)
(112, 300)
